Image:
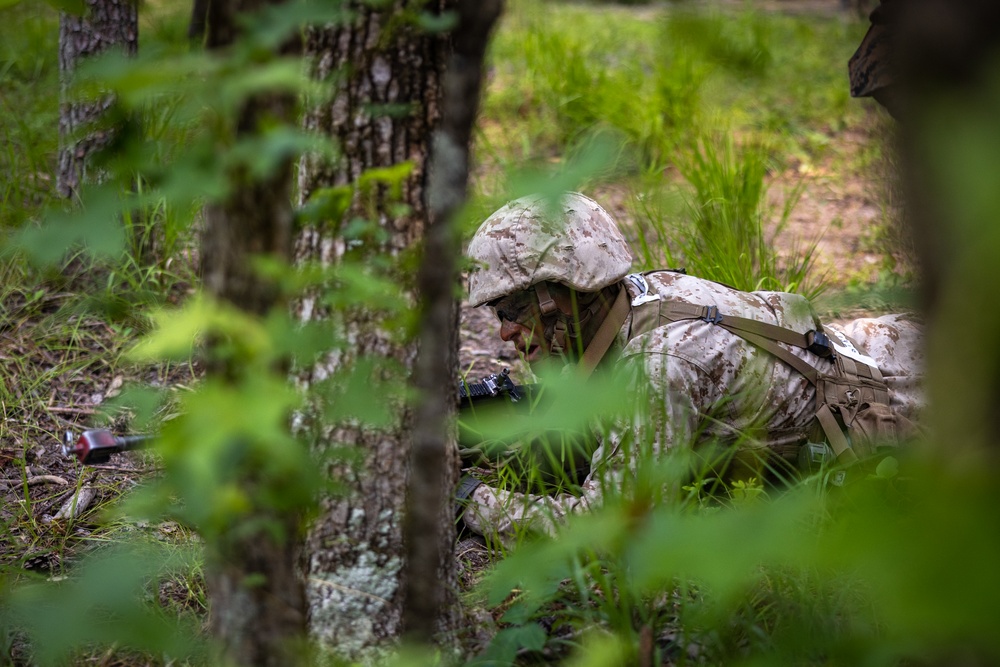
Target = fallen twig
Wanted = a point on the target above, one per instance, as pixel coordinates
(77, 504)
(46, 479)
(71, 410)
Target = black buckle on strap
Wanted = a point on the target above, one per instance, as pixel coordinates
(712, 315)
(819, 344)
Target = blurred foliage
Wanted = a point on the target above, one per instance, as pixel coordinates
(957, 148)
(112, 599)
(865, 575)
(231, 467)
(29, 110)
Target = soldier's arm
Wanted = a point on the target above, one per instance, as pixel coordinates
(495, 511)
(674, 388)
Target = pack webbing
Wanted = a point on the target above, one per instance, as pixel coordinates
(605, 335)
(767, 336)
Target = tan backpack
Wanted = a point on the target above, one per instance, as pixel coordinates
(852, 399)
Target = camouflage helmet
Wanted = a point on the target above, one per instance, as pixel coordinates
(572, 241)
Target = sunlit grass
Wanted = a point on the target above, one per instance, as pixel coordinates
(658, 75)
(29, 110)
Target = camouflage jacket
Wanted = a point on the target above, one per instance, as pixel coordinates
(706, 384)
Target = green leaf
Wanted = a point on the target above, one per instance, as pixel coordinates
(357, 284)
(887, 468)
(369, 391)
(178, 329)
(393, 176)
(327, 205)
(563, 404)
(62, 616)
(271, 26)
(723, 550)
(599, 650)
(150, 77)
(96, 228)
(264, 153)
(506, 644)
(593, 159)
(537, 568)
(437, 23)
(285, 75)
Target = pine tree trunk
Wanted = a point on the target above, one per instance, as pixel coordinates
(383, 114)
(106, 24)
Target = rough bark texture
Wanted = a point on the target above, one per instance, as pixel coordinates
(107, 24)
(254, 585)
(355, 551)
(433, 457)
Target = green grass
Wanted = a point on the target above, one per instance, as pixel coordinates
(717, 228)
(706, 109)
(29, 110)
(657, 78)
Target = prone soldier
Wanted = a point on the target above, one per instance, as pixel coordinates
(714, 361)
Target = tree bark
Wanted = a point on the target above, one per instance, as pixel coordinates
(256, 591)
(106, 24)
(383, 114)
(429, 509)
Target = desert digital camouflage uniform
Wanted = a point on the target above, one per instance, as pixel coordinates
(527, 242)
(706, 383)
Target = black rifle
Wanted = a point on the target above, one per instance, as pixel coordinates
(492, 386)
(540, 457)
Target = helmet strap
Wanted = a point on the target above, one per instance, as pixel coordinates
(546, 304)
(559, 336)
(567, 327)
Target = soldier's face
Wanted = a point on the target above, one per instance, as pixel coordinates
(521, 324)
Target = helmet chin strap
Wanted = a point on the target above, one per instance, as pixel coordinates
(566, 327)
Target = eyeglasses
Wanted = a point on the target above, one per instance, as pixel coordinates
(511, 308)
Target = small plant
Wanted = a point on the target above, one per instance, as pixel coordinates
(719, 231)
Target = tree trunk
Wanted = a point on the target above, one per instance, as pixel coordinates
(383, 114)
(256, 591)
(430, 509)
(106, 24)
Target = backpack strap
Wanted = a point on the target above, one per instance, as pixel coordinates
(816, 342)
(851, 374)
(605, 335)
